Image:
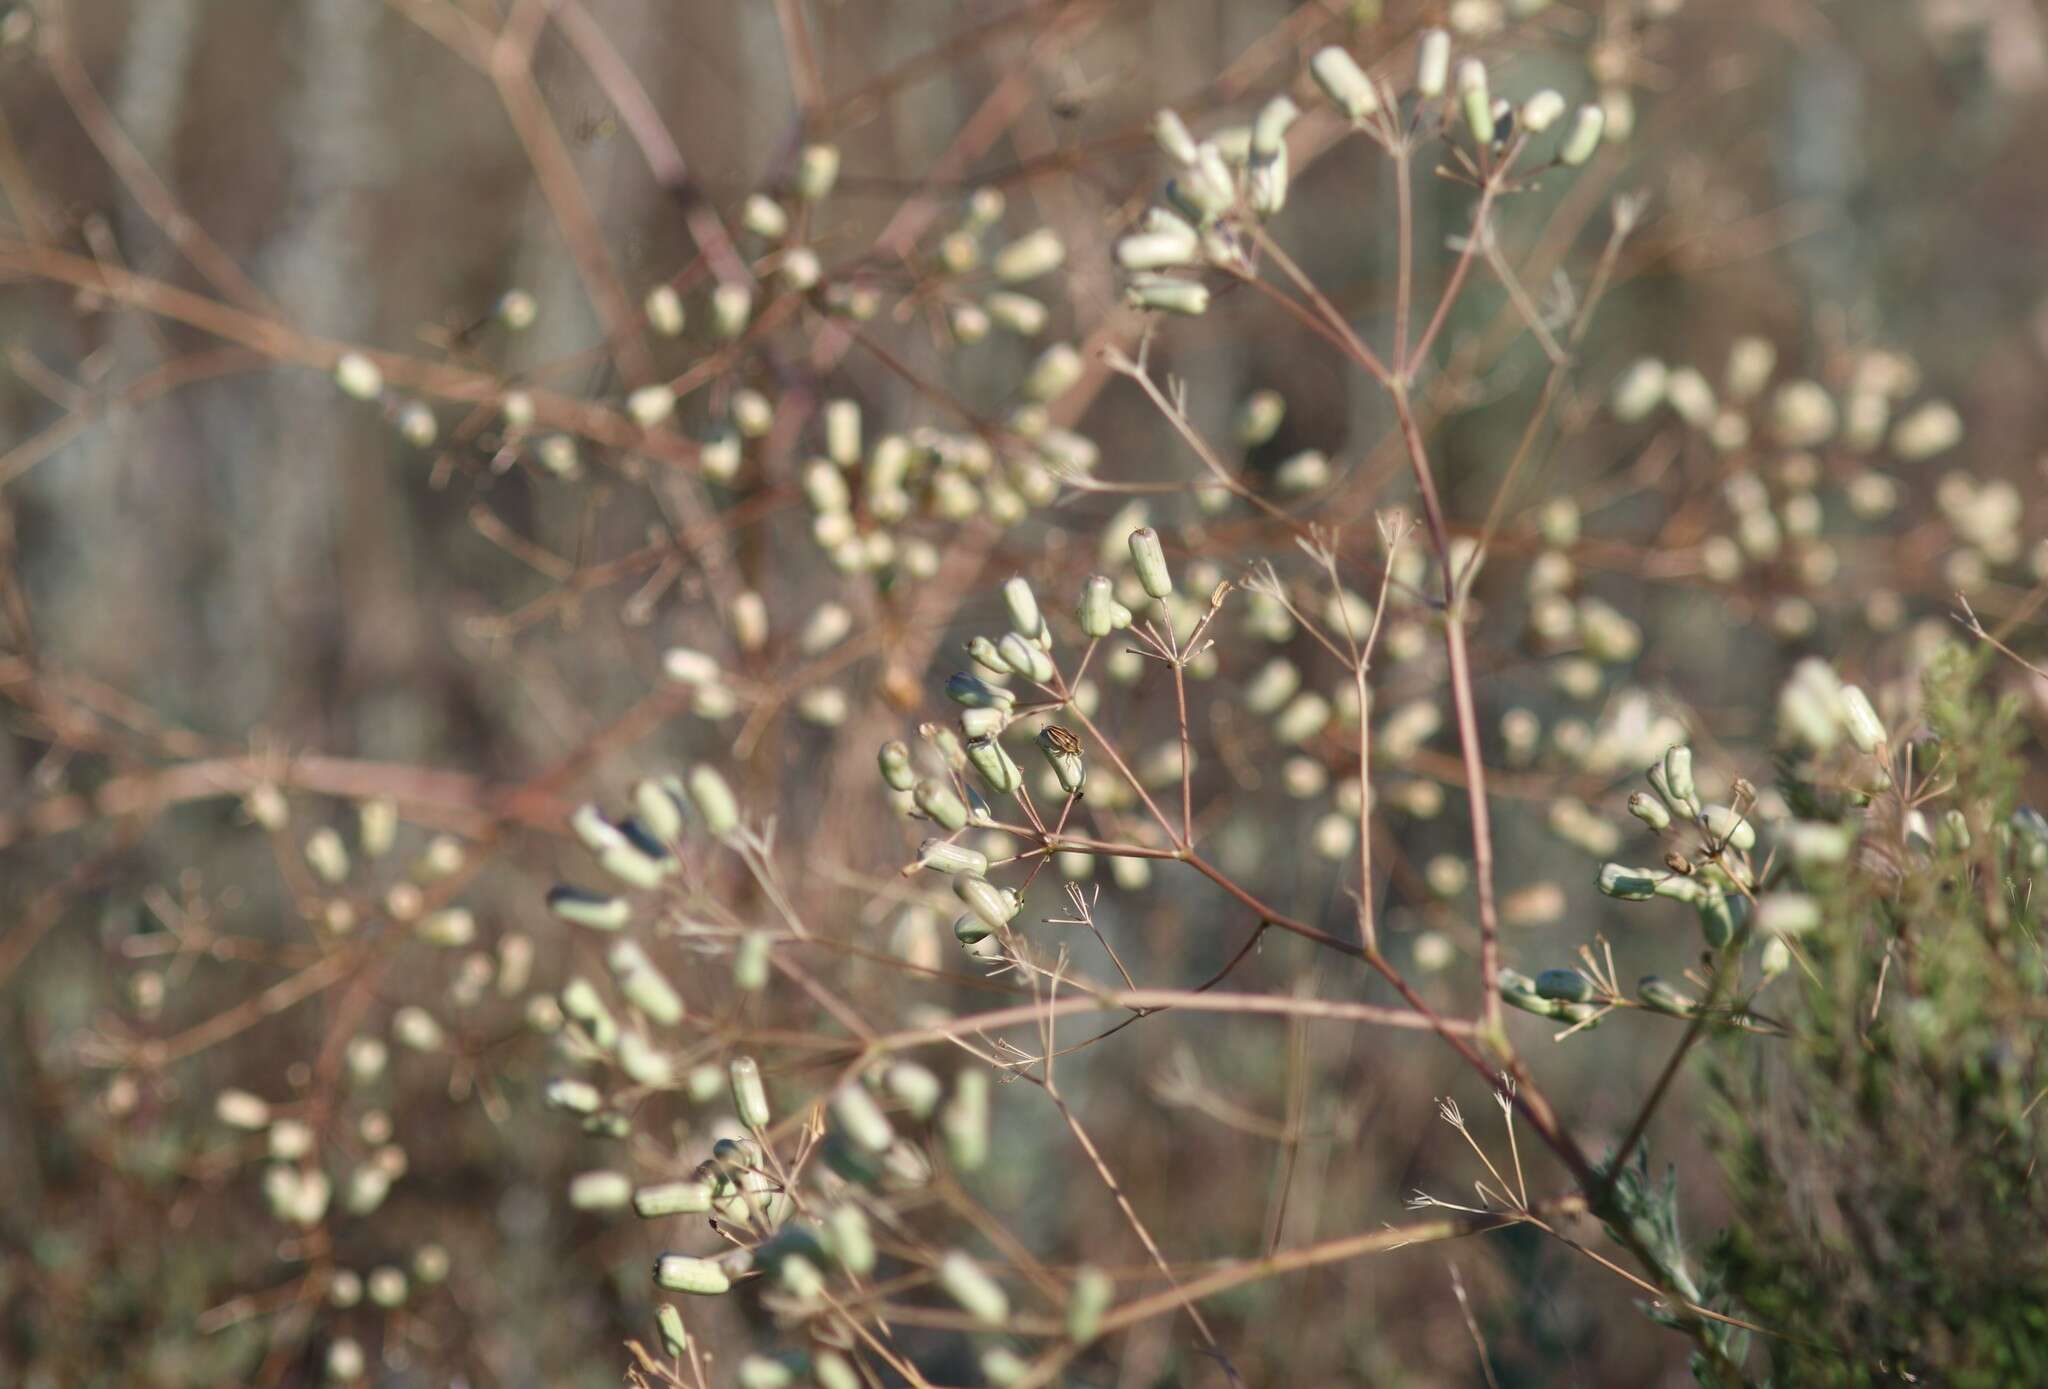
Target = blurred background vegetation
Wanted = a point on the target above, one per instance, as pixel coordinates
(222, 574)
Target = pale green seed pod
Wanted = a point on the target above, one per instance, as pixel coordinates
(1730, 828)
(651, 405)
(764, 217)
(1024, 658)
(1149, 558)
(643, 1062)
(1159, 250)
(842, 432)
(675, 1341)
(1859, 719)
(1716, 912)
(944, 856)
(1680, 888)
(599, 1191)
(1518, 990)
(995, 765)
(971, 931)
(631, 866)
(993, 906)
(861, 1119)
(1168, 294)
(1344, 82)
(1564, 986)
(977, 1294)
(1810, 842)
(1057, 369)
(1171, 134)
(749, 1095)
(965, 1121)
(1098, 605)
(1787, 913)
(834, 1371)
(1650, 811)
(1089, 1299)
(1541, 111)
(1583, 139)
(940, 804)
(1655, 993)
(644, 986)
(239, 1109)
(849, 1239)
(732, 306)
(972, 692)
(817, 171)
(1025, 619)
(1432, 64)
(1063, 753)
(344, 1288)
(345, 1359)
(595, 910)
(582, 1005)
(416, 1028)
(1205, 187)
(1269, 129)
(659, 806)
(1002, 1367)
(1628, 884)
(915, 1087)
(1037, 253)
(1475, 100)
(714, 801)
(985, 654)
(1304, 717)
(664, 309)
(573, 1096)
(448, 928)
(1639, 390)
(765, 1372)
(387, 1286)
(982, 723)
(327, 855)
(680, 1273)
(358, 376)
(1017, 313)
(1775, 958)
(1678, 778)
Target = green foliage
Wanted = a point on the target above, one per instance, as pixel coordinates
(1888, 1216)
